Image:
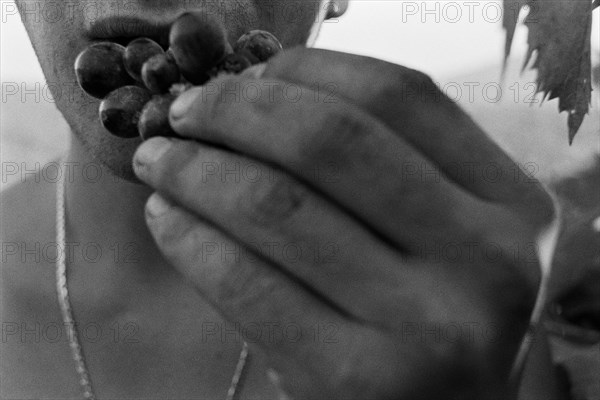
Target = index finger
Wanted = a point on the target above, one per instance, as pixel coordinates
(410, 104)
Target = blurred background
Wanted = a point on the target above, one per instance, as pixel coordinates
(460, 44)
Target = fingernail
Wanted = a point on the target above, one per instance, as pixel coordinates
(184, 103)
(151, 151)
(255, 71)
(157, 206)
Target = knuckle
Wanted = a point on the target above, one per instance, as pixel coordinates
(406, 90)
(340, 139)
(222, 93)
(183, 233)
(417, 85)
(243, 286)
(400, 76)
(418, 77)
(172, 231)
(188, 175)
(199, 245)
(367, 368)
(182, 238)
(540, 209)
(531, 214)
(176, 173)
(274, 200)
(180, 178)
(509, 288)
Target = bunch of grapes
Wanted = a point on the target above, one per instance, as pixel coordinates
(138, 83)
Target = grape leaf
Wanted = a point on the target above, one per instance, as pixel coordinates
(559, 37)
(511, 17)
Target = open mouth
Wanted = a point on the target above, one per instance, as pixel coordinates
(123, 30)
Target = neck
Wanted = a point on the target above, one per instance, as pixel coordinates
(111, 245)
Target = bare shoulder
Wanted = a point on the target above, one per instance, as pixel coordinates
(27, 247)
(28, 308)
(27, 211)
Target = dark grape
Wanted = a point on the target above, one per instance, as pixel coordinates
(100, 69)
(233, 64)
(198, 41)
(262, 44)
(154, 120)
(121, 109)
(137, 53)
(160, 72)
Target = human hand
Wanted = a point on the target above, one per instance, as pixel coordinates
(418, 234)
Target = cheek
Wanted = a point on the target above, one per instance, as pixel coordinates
(57, 58)
(56, 44)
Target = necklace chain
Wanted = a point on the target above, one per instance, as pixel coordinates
(67, 313)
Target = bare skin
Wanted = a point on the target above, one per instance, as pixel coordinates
(142, 323)
(150, 318)
(378, 217)
(170, 300)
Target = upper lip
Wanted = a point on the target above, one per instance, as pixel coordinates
(124, 29)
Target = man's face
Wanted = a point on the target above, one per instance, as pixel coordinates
(59, 30)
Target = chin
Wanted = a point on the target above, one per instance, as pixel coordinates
(116, 155)
(113, 154)
(123, 171)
